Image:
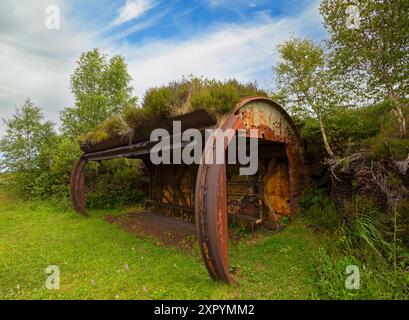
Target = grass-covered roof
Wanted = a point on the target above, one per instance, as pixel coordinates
(176, 98)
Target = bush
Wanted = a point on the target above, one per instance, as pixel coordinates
(115, 183)
(221, 97)
(383, 138)
(134, 116)
(311, 135)
(112, 183)
(318, 210)
(158, 102)
(352, 130)
(388, 144)
(23, 184)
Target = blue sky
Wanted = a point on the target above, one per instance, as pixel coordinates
(178, 18)
(160, 40)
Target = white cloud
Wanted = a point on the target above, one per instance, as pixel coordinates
(245, 52)
(36, 62)
(133, 9)
(234, 3)
(143, 25)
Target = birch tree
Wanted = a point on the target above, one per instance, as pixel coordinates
(304, 84)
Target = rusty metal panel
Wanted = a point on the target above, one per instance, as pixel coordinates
(173, 186)
(277, 188)
(242, 192)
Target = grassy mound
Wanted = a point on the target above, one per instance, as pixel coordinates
(176, 98)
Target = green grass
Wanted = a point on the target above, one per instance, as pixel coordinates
(35, 235)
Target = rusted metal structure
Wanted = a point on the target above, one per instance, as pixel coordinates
(213, 194)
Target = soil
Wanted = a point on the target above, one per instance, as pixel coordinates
(169, 231)
(174, 232)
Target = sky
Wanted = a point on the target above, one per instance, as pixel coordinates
(161, 40)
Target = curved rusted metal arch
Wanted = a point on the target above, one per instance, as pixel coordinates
(77, 189)
(211, 191)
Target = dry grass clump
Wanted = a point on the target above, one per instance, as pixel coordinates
(115, 127)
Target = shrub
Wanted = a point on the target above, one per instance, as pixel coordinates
(318, 210)
(23, 184)
(112, 183)
(221, 97)
(360, 232)
(352, 130)
(115, 183)
(134, 116)
(158, 102)
(388, 142)
(311, 135)
(388, 145)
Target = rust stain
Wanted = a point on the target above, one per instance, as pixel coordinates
(277, 189)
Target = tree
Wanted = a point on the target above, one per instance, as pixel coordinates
(304, 83)
(370, 41)
(26, 135)
(100, 88)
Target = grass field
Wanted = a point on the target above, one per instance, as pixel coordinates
(92, 256)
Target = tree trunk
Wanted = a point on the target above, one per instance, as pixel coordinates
(397, 110)
(401, 119)
(325, 138)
